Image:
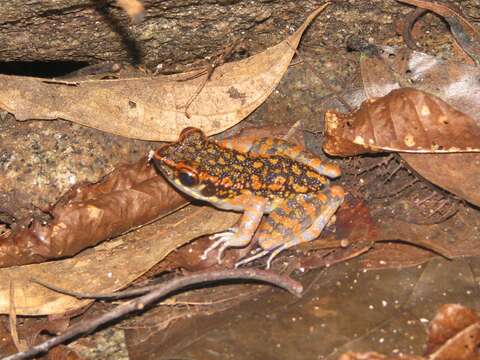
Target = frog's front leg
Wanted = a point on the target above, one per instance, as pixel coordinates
(254, 207)
(296, 221)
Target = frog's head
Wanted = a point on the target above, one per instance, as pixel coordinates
(182, 164)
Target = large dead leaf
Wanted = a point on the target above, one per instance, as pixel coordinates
(154, 108)
(405, 120)
(455, 237)
(132, 195)
(457, 84)
(108, 267)
(453, 82)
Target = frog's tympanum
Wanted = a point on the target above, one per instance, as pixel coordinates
(255, 176)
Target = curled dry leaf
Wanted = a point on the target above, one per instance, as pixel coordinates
(449, 322)
(454, 333)
(405, 120)
(455, 83)
(109, 266)
(130, 196)
(466, 35)
(154, 108)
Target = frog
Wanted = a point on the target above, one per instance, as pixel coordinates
(256, 176)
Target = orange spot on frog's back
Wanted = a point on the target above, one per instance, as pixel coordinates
(256, 183)
(257, 164)
(277, 183)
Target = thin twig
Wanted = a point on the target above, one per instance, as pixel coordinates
(110, 296)
(219, 60)
(159, 292)
(408, 23)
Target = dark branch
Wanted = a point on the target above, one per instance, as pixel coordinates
(156, 293)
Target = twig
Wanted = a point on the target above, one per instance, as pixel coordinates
(400, 166)
(410, 20)
(220, 60)
(160, 291)
(110, 296)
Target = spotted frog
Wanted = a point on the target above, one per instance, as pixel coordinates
(254, 176)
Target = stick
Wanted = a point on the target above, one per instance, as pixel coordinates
(159, 292)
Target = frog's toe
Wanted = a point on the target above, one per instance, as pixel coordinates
(224, 240)
(222, 234)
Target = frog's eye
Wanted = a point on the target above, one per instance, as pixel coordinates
(187, 178)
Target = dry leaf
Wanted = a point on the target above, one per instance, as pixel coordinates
(455, 83)
(154, 108)
(450, 320)
(109, 266)
(405, 120)
(453, 334)
(455, 237)
(130, 196)
(377, 78)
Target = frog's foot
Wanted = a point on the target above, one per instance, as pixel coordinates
(275, 235)
(224, 240)
(240, 235)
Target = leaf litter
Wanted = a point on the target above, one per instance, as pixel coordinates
(397, 225)
(402, 123)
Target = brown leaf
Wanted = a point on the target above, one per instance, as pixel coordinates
(456, 237)
(377, 77)
(450, 321)
(455, 83)
(107, 267)
(466, 35)
(153, 108)
(130, 196)
(63, 353)
(406, 120)
(457, 173)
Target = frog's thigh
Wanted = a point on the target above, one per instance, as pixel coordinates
(300, 220)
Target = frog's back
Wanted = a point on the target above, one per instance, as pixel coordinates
(234, 173)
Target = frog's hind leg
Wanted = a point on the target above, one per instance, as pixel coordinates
(306, 218)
